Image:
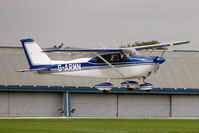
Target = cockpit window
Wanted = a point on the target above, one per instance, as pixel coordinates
(123, 56)
(112, 58)
(116, 57)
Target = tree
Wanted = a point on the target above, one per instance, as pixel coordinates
(59, 46)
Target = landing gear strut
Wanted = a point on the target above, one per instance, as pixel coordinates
(144, 78)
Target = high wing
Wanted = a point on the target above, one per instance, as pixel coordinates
(85, 50)
(130, 51)
(162, 45)
(113, 50)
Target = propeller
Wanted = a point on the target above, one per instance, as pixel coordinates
(159, 60)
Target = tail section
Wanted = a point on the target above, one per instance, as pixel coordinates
(34, 53)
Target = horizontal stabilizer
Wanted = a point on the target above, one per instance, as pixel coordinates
(32, 70)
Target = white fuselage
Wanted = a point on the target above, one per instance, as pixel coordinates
(104, 71)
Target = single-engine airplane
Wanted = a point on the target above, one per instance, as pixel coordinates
(109, 63)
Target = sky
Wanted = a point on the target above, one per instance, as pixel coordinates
(89, 23)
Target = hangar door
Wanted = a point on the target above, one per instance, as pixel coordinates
(120, 105)
(143, 106)
(94, 105)
(185, 106)
(30, 104)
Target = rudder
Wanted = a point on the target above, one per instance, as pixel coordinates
(34, 53)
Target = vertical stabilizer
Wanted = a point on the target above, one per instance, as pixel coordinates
(34, 53)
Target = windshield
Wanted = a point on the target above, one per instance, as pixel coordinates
(129, 52)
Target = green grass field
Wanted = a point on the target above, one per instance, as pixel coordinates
(98, 126)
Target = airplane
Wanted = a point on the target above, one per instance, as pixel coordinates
(108, 63)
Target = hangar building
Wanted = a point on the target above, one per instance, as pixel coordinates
(175, 93)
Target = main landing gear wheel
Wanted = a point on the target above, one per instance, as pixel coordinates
(129, 85)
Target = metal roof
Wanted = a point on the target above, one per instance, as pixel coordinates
(179, 71)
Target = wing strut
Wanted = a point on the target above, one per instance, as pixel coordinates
(114, 68)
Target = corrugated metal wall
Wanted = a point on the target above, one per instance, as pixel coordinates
(179, 71)
(30, 104)
(98, 105)
(185, 106)
(143, 106)
(126, 105)
(94, 105)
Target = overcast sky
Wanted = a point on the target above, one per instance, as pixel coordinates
(87, 23)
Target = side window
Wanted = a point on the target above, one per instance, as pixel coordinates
(98, 60)
(123, 56)
(111, 58)
(106, 57)
(115, 58)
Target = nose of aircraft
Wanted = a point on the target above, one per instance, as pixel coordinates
(159, 60)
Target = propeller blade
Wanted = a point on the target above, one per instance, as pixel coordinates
(156, 67)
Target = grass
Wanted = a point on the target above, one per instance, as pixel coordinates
(98, 126)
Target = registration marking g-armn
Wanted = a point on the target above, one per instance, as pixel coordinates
(69, 67)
